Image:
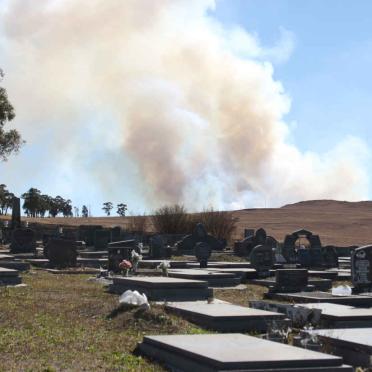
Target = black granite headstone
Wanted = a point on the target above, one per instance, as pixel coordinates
(23, 241)
(61, 252)
(262, 260)
(361, 269)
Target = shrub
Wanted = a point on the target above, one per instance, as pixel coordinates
(220, 224)
(171, 220)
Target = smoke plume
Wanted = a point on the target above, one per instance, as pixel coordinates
(160, 100)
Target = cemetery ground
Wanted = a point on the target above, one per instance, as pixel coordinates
(66, 322)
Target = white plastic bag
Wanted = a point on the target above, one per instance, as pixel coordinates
(134, 298)
(341, 290)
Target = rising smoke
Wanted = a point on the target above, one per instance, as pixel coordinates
(161, 92)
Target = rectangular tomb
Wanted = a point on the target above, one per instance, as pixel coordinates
(163, 288)
(227, 352)
(226, 317)
(317, 296)
(342, 316)
(9, 276)
(214, 279)
(353, 344)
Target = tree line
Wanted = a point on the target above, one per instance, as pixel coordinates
(36, 204)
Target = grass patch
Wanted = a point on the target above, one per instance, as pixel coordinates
(61, 322)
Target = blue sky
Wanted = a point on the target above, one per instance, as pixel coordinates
(328, 76)
(320, 52)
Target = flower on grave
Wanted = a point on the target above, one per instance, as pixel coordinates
(164, 266)
(135, 258)
(125, 266)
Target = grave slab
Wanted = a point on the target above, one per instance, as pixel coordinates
(15, 265)
(5, 257)
(227, 352)
(226, 317)
(153, 264)
(243, 273)
(214, 279)
(353, 344)
(163, 288)
(9, 277)
(93, 254)
(223, 265)
(318, 296)
(342, 316)
(318, 283)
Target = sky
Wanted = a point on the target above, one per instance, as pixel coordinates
(230, 104)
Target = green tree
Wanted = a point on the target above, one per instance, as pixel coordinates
(6, 198)
(107, 207)
(31, 202)
(121, 209)
(84, 211)
(10, 141)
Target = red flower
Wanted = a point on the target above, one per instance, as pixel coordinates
(125, 265)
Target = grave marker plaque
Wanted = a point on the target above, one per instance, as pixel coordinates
(361, 269)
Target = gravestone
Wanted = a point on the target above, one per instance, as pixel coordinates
(116, 234)
(23, 241)
(330, 257)
(87, 233)
(157, 247)
(290, 280)
(16, 213)
(202, 253)
(101, 239)
(61, 252)
(199, 235)
(361, 269)
(244, 248)
(262, 260)
(119, 251)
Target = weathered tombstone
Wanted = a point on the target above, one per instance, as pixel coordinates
(23, 241)
(119, 251)
(101, 239)
(361, 269)
(262, 260)
(290, 280)
(116, 234)
(16, 213)
(244, 248)
(288, 249)
(260, 236)
(61, 252)
(202, 253)
(157, 247)
(330, 257)
(87, 233)
(199, 235)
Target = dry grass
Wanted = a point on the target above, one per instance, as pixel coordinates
(60, 323)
